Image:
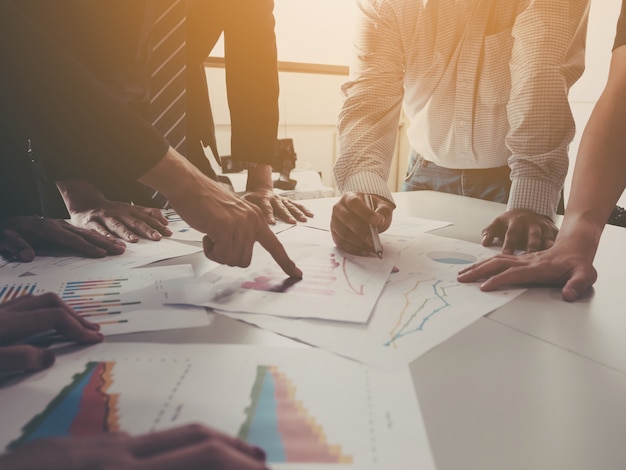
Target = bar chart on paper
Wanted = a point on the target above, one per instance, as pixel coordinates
(118, 303)
(303, 417)
(280, 424)
(100, 300)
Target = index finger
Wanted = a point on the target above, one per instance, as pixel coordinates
(270, 242)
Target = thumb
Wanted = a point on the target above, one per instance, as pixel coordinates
(17, 246)
(25, 358)
(578, 284)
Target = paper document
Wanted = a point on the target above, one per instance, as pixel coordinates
(137, 254)
(304, 407)
(335, 286)
(421, 305)
(125, 302)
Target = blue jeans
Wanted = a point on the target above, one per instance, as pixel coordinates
(491, 184)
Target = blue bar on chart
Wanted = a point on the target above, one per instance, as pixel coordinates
(95, 298)
(12, 290)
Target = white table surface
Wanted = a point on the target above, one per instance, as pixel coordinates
(537, 384)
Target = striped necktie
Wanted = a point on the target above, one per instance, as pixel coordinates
(166, 65)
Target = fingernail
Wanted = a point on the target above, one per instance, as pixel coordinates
(298, 273)
(27, 254)
(167, 232)
(155, 235)
(93, 326)
(109, 235)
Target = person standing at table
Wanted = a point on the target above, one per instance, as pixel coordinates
(122, 60)
(484, 85)
(599, 180)
(252, 88)
(47, 94)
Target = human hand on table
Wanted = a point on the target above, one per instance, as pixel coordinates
(187, 447)
(260, 191)
(31, 314)
(231, 224)
(567, 263)
(521, 229)
(351, 219)
(22, 236)
(89, 209)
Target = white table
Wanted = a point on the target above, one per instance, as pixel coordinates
(538, 384)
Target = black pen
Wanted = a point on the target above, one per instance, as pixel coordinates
(378, 248)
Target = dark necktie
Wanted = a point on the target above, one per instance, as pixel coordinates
(166, 63)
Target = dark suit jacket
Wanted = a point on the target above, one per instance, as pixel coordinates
(101, 37)
(47, 94)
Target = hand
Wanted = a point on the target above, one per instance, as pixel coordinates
(89, 209)
(232, 224)
(521, 229)
(28, 315)
(23, 235)
(568, 263)
(351, 219)
(187, 447)
(260, 191)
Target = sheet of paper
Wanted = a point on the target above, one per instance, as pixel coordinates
(399, 223)
(306, 408)
(421, 305)
(119, 303)
(335, 286)
(137, 254)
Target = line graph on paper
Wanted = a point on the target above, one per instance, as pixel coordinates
(423, 302)
(421, 305)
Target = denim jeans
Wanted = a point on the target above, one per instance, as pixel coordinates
(491, 184)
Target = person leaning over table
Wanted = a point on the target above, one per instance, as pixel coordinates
(190, 447)
(117, 56)
(598, 181)
(85, 133)
(484, 85)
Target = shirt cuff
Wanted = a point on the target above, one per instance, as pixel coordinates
(367, 182)
(538, 196)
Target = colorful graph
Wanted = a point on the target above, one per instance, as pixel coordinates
(82, 408)
(13, 291)
(423, 300)
(320, 279)
(96, 298)
(281, 425)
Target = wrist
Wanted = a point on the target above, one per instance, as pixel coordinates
(259, 177)
(79, 195)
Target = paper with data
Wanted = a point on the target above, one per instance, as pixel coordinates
(137, 254)
(306, 408)
(125, 302)
(335, 286)
(421, 305)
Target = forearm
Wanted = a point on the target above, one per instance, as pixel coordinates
(368, 121)
(545, 63)
(600, 172)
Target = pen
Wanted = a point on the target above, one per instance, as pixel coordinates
(378, 248)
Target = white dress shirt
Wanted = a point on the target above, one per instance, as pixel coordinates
(484, 84)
